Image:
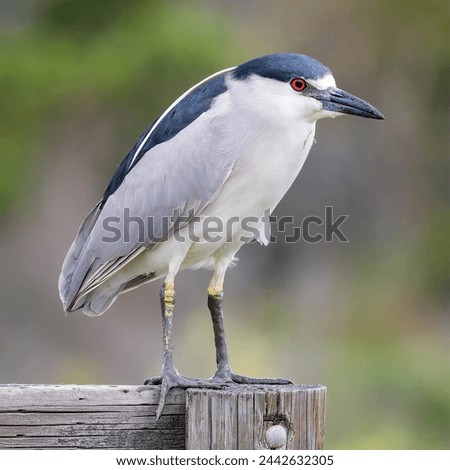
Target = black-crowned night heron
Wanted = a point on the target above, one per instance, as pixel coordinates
(227, 150)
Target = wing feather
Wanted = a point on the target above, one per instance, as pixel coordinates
(173, 181)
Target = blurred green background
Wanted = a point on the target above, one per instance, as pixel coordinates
(80, 80)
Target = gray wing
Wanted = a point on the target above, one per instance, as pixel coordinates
(173, 182)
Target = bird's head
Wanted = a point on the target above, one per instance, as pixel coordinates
(295, 86)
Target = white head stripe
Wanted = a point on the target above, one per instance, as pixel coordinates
(324, 82)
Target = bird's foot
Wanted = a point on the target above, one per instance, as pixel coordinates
(221, 379)
(172, 379)
(230, 377)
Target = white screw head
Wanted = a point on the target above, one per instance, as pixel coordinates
(276, 436)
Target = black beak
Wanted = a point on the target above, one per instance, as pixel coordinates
(339, 101)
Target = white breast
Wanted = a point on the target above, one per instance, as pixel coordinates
(263, 175)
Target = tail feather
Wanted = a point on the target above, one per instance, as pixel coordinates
(77, 261)
(99, 300)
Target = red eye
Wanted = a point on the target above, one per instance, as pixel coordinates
(298, 84)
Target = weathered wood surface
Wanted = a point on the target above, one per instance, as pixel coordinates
(123, 417)
(240, 418)
(90, 416)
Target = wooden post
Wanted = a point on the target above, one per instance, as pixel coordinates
(256, 417)
(123, 417)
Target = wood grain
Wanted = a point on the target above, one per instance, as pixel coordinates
(90, 416)
(123, 417)
(238, 418)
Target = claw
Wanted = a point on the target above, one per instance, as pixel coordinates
(165, 387)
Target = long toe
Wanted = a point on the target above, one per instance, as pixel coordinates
(242, 379)
(172, 380)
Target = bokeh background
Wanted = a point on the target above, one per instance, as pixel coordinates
(81, 79)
